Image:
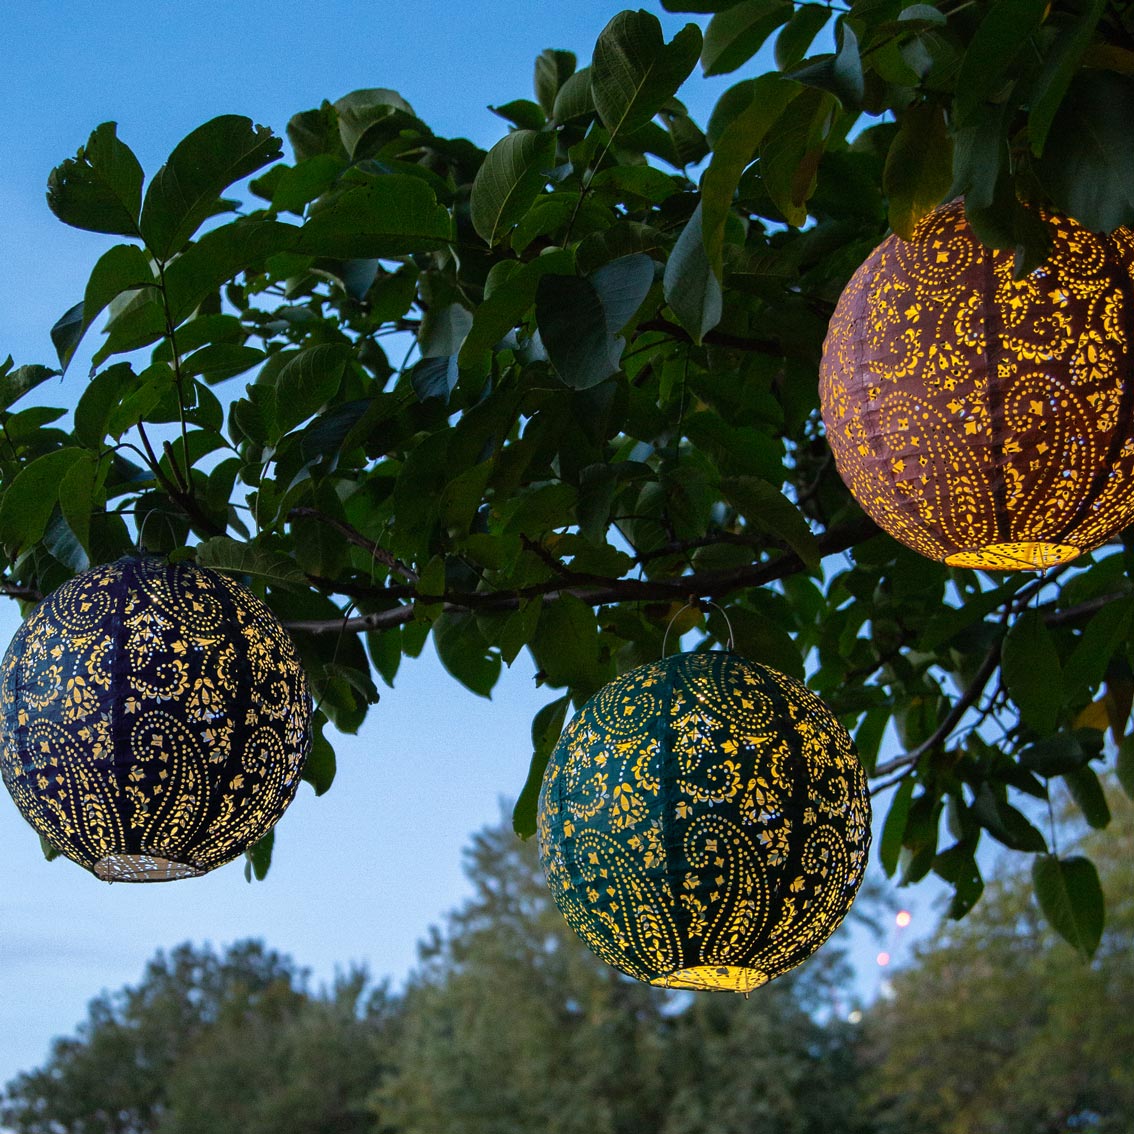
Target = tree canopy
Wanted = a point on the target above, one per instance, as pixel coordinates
(544, 396)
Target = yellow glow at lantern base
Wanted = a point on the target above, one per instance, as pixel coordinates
(734, 978)
(143, 868)
(1015, 556)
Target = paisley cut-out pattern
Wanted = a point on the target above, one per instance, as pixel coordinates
(704, 822)
(981, 420)
(155, 719)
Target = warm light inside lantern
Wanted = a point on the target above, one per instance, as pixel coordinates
(1015, 556)
(722, 978)
(143, 868)
(704, 823)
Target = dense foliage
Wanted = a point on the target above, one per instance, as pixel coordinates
(537, 398)
(511, 1025)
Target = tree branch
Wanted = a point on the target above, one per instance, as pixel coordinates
(708, 584)
(352, 535)
(961, 706)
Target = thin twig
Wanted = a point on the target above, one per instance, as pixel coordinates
(961, 706)
(352, 535)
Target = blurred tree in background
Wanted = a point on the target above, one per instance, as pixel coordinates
(510, 1026)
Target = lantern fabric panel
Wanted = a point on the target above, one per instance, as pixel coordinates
(155, 719)
(704, 823)
(984, 421)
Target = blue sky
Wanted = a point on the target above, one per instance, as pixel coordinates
(359, 874)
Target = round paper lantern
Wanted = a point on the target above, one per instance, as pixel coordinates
(704, 823)
(985, 421)
(155, 719)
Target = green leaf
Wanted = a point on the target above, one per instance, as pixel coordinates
(521, 113)
(76, 498)
(692, 289)
(1059, 69)
(224, 554)
(98, 401)
(1088, 162)
(1001, 36)
(919, 166)
(320, 766)
(100, 188)
(14, 384)
(1006, 823)
(392, 215)
(1087, 792)
(756, 636)
(894, 829)
(202, 165)
(513, 174)
(120, 269)
(1085, 669)
(258, 857)
(465, 654)
(434, 378)
(1124, 765)
(839, 74)
(634, 71)
(1032, 671)
(552, 69)
(737, 33)
(1071, 899)
(767, 508)
(579, 319)
(754, 109)
(1057, 755)
(28, 501)
(505, 305)
(799, 32)
(566, 647)
(67, 332)
(546, 728)
(221, 255)
(791, 150)
(574, 100)
(308, 381)
(370, 116)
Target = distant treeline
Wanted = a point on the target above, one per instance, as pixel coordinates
(510, 1026)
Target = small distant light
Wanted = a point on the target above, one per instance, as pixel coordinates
(855, 1017)
(883, 959)
(903, 919)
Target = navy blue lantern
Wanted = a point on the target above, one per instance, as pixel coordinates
(155, 719)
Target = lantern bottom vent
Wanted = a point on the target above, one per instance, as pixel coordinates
(143, 868)
(730, 978)
(1014, 556)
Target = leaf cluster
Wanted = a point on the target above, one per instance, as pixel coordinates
(537, 398)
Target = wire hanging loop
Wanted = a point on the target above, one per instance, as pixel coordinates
(699, 604)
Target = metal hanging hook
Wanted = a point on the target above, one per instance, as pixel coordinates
(698, 603)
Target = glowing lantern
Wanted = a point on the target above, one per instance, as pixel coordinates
(704, 823)
(155, 720)
(985, 421)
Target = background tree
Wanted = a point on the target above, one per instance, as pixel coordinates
(538, 397)
(997, 1028)
(235, 1042)
(513, 1025)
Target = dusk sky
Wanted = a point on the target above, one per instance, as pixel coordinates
(359, 874)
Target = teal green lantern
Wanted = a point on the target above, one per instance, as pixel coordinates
(704, 823)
